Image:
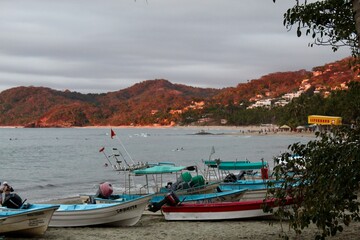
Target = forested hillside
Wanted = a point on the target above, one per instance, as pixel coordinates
(164, 103)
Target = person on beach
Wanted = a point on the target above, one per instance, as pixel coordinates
(5, 189)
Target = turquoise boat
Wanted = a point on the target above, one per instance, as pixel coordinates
(225, 170)
(237, 175)
(235, 165)
(228, 196)
(256, 184)
(158, 200)
(159, 169)
(185, 182)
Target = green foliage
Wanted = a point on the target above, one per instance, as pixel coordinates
(323, 180)
(329, 22)
(344, 103)
(190, 117)
(347, 103)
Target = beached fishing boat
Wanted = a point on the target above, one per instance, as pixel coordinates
(172, 199)
(185, 183)
(219, 211)
(227, 196)
(248, 177)
(255, 184)
(28, 221)
(226, 170)
(158, 200)
(126, 213)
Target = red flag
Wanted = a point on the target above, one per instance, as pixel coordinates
(102, 149)
(112, 134)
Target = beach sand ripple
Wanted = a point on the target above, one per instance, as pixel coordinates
(155, 227)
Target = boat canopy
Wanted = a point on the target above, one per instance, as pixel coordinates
(236, 165)
(159, 170)
(241, 165)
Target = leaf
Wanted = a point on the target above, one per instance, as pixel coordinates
(298, 32)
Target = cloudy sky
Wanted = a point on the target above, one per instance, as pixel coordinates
(95, 46)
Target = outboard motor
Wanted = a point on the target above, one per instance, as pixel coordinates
(13, 200)
(104, 191)
(170, 199)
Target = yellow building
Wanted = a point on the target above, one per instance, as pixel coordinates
(324, 120)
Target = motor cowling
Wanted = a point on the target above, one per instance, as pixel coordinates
(105, 190)
(170, 199)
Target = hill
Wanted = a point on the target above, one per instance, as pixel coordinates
(45, 107)
(156, 101)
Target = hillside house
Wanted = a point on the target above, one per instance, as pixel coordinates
(261, 103)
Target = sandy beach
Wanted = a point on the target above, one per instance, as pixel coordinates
(155, 227)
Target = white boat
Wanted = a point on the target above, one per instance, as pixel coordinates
(219, 211)
(32, 221)
(126, 213)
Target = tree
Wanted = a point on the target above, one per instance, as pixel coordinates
(323, 181)
(330, 22)
(323, 176)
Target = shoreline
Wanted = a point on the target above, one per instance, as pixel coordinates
(238, 130)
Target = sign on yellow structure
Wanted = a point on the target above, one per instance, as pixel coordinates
(324, 120)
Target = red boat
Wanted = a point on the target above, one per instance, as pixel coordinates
(220, 210)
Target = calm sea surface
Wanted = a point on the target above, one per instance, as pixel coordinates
(44, 164)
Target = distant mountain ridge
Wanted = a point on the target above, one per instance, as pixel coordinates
(152, 101)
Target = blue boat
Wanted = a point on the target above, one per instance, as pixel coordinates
(185, 182)
(226, 196)
(28, 221)
(255, 184)
(248, 177)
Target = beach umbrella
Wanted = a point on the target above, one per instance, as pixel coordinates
(285, 127)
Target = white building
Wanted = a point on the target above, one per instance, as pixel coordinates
(261, 103)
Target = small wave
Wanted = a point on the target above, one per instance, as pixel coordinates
(49, 185)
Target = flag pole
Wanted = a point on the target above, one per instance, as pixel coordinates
(102, 150)
(113, 134)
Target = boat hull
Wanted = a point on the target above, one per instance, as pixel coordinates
(218, 211)
(228, 196)
(207, 188)
(254, 184)
(112, 214)
(26, 222)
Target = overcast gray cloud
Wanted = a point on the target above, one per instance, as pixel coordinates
(95, 46)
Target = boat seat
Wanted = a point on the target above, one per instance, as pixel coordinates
(197, 181)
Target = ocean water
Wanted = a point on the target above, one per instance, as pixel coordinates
(53, 163)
